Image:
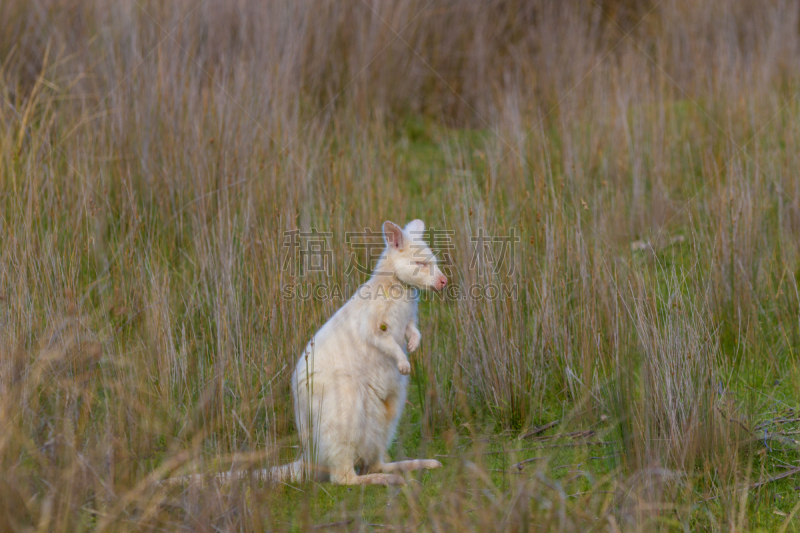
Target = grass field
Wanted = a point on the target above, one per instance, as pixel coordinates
(640, 158)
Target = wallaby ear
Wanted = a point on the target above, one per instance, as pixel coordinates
(415, 227)
(393, 235)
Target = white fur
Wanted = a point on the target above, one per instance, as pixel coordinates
(349, 386)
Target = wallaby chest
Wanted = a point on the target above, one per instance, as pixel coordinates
(394, 317)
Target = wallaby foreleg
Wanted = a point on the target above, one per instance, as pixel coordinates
(414, 336)
(387, 345)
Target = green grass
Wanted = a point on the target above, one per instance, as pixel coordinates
(569, 465)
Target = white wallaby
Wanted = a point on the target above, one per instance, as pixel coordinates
(350, 383)
(349, 386)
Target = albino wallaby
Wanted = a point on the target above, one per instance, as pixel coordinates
(349, 386)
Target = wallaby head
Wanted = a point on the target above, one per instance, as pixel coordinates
(408, 257)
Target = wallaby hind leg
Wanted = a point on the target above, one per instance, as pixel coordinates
(351, 478)
(408, 466)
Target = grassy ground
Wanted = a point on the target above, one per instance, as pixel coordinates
(641, 373)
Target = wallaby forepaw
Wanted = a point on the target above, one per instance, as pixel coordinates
(430, 464)
(413, 344)
(404, 367)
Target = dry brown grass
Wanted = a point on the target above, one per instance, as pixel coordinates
(152, 155)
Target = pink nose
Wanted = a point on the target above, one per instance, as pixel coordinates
(442, 282)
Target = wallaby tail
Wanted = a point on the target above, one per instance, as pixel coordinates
(289, 473)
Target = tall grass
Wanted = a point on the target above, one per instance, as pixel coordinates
(153, 155)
